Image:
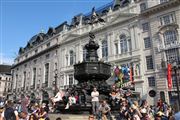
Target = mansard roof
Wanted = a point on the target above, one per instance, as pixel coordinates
(51, 31)
(5, 69)
(75, 21)
(21, 50)
(61, 27)
(101, 10)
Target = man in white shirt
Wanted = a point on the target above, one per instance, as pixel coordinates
(95, 101)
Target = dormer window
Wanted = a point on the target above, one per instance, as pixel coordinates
(39, 38)
(51, 31)
(29, 45)
(143, 6)
(21, 50)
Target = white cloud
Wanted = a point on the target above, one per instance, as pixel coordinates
(6, 60)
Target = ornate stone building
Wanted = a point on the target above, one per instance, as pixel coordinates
(5, 80)
(142, 34)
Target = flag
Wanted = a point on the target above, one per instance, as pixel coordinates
(131, 74)
(169, 76)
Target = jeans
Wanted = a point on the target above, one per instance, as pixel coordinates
(95, 107)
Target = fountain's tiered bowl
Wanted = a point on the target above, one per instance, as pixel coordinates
(95, 70)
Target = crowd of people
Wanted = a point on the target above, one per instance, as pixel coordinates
(23, 110)
(128, 108)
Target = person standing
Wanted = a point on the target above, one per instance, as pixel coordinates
(105, 111)
(24, 103)
(9, 113)
(95, 101)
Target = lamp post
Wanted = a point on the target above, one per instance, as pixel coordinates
(55, 81)
(176, 69)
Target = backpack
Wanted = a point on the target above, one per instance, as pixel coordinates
(9, 114)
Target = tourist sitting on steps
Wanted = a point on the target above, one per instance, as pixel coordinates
(58, 97)
(71, 101)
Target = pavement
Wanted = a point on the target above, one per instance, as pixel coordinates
(71, 116)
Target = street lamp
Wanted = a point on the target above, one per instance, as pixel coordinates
(176, 69)
(55, 81)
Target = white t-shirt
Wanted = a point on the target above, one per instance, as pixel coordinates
(95, 96)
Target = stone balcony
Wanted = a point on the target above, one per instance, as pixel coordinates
(173, 45)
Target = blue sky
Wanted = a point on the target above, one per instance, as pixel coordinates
(21, 19)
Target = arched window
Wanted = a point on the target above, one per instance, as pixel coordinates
(123, 44)
(71, 57)
(104, 49)
(170, 37)
(84, 53)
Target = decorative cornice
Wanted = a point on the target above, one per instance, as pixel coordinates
(37, 55)
(101, 29)
(172, 26)
(160, 7)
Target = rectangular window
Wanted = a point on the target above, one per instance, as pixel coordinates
(163, 1)
(48, 44)
(67, 60)
(116, 48)
(47, 56)
(145, 26)
(84, 53)
(36, 51)
(24, 79)
(16, 82)
(70, 80)
(105, 49)
(174, 82)
(34, 77)
(71, 57)
(151, 81)
(147, 42)
(167, 19)
(143, 6)
(46, 74)
(26, 56)
(172, 54)
(149, 62)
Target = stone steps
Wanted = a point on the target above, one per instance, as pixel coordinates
(70, 116)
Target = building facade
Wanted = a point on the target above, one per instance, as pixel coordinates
(141, 34)
(5, 81)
